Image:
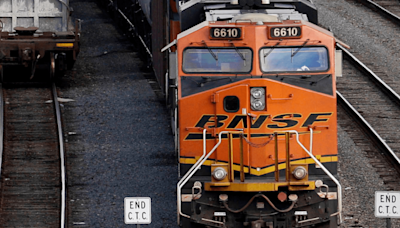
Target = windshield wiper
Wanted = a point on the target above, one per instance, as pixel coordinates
(237, 51)
(273, 47)
(211, 52)
(322, 78)
(304, 44)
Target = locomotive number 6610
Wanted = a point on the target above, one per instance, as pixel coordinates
(225, 33)
(286, 32)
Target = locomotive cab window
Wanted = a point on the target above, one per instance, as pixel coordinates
(294, 59)
(231, 104)
(217, 60)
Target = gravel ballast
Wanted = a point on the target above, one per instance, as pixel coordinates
(119, 139)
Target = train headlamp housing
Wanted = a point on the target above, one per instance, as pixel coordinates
(257, 98)
(299, 172)
(257, 92)
(219, 173)
(257, 105)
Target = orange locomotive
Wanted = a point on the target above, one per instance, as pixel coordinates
(256, 123)
(251, 87)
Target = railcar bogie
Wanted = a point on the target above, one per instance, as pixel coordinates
(38, 34)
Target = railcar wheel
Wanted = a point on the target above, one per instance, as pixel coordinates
(61, 64)
(70, 61)
(52, 73)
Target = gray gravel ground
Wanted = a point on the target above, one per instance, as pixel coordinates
(119, 140)
(377, 43)
(367, 33)
(359, 181)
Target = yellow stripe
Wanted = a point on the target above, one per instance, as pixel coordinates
(266, 170)
(259, 186)
(65, 45)
(260, 137)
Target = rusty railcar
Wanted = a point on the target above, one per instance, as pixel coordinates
(38, 33)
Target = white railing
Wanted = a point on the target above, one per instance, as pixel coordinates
(205, 156)
(339, 187)
(193, 170)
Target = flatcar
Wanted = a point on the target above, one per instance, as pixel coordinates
(251, 85)
(38, 34)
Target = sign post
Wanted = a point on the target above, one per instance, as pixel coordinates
(137, 210)
(387, 205)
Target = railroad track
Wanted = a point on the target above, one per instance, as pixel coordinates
(375, 101)
(376, 107)
(389, 8)
(32, 168)
(369, 116)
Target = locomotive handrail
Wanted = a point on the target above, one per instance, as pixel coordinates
(193, 170)
(339, 187)
(280, 99)
(184, 179)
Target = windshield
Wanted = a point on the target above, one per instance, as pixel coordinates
(217, 60)
(289, 59)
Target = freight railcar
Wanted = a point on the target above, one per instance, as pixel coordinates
(38, 34)
(251, 89)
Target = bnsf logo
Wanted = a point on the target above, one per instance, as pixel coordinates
(277, 122)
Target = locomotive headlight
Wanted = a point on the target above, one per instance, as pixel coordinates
(257, 92)
(219, 173)
(257, 98)
(299, 172)
(257, 105)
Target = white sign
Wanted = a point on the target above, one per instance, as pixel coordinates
(137, 210)
(387, 204)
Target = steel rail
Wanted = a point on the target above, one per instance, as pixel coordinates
(370, 131)
(133, 29)
(375, 78)
(381, 10)
(62, 161)
(1, 126)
